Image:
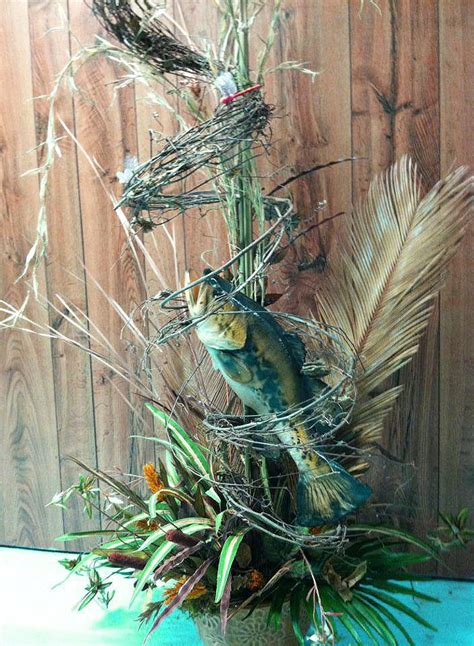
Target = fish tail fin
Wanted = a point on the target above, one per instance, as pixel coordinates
(327, 493)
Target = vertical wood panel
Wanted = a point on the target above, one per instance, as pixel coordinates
(314, 127)
(395, 88)
(106, 128)
(203, 233)
(456, 478)
(29, 469)
(65, 275)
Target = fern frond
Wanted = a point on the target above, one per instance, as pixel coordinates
(382, 284)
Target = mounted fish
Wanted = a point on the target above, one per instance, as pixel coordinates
(262, 363)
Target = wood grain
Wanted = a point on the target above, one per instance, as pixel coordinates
(65, 274)
(395, 88)
(29, 465)
(106, 128)
(456, 433)
(314, 127)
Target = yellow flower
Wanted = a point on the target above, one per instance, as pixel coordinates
(170, 593)
(152, 478)
(255, 580)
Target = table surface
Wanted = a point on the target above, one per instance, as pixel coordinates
(34, 610)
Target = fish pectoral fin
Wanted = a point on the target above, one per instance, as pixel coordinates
(236, 369)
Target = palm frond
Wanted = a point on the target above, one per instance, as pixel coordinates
(386, 276)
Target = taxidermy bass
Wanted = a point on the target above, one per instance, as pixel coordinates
(262, 363)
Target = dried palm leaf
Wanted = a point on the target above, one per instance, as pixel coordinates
(383, 283)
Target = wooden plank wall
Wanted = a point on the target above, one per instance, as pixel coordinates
(393, 80)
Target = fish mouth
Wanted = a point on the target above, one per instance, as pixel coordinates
(199, 298)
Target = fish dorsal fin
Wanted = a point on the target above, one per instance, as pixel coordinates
(297, 347)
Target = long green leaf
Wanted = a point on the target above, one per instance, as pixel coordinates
(179, 435)
(296, 599)
(396, 533)
(72, 536)
(157, 557)
(375, 620)
(162, 552)
(331, 601)
(218, 521)
(274, 614)
(182, 523)
(173, 474)
(384, 611)
(389, 586)
(360, 620)
(391, 601)
(125, 541)
(228, 553)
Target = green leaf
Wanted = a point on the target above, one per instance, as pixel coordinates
(332, 601)
(396, 588)
(156, 558)
(179, 435)
(164, 549)
(212, 493)
(123, 541)
(72, 536)
(173, 475)
(398, 605)
(395, 533)
(374, 619)
(228, 553)
(384, 611)
(274, 614)
(189, 525)
(296, 599)
(463, 517)
(154, 505)
(218, 521)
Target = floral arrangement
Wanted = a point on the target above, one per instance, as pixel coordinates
(252, 503)
(182, 532)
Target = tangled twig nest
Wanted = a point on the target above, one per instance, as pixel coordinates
(210, 145)
(135, 24)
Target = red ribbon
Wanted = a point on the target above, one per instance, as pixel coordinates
(228, 99)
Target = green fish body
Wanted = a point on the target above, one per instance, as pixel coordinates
(262, 364)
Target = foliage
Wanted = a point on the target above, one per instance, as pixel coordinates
(453, 532)
(191, 530)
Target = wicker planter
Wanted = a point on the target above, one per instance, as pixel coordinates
(247, 631)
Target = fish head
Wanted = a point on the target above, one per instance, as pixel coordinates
(223, 325)
(201, 298)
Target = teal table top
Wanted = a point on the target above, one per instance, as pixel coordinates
(34, 611)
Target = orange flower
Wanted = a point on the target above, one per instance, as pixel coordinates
(152, 478)
(170, 593)
(255, 580)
